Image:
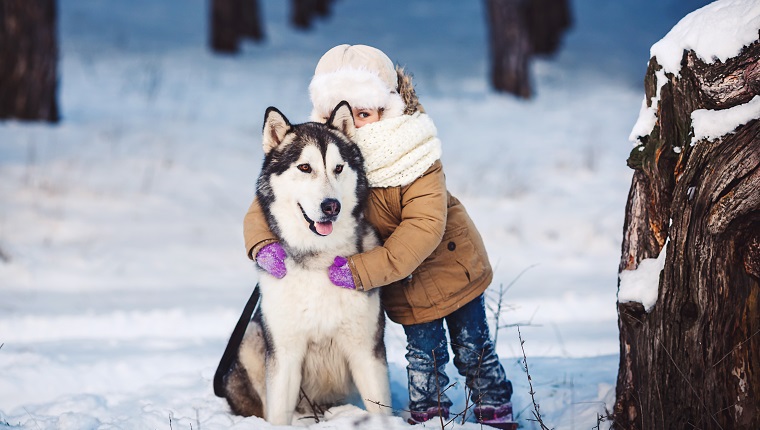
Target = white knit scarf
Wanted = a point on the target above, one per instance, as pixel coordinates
(398, 150)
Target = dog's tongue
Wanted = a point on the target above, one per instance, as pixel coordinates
(323, 228)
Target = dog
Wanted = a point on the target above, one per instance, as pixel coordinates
(310, 344)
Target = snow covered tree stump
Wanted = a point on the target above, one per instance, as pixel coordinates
(689, 290)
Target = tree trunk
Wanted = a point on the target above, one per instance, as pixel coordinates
(303, 12)
(547, 22)
(510, 46)
(28, 60)
(251, 20)
(517, 30)
(231, 20)
(322, 8)
(693, 361)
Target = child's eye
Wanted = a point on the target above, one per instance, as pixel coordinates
(363, 115)
(338, 168)
(305, 167)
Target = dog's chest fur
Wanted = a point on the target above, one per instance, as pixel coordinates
(307, 304)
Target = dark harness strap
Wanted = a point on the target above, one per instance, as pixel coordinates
(233, 345)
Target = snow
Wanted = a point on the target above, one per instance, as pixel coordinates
(642, 284)
(712, 124)
(648, 113)
(122, 270)
(715, 32)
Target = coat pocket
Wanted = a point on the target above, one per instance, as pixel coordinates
(458, 249)
(455, 263)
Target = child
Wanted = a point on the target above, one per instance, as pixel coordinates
(433, 264)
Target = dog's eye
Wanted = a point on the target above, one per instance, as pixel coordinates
(338, 168)
(305, 167)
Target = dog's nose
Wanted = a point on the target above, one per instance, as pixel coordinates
(330, 207)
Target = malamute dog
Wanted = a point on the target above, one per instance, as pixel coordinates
(309, 342)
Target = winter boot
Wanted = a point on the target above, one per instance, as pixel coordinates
(429, 414)
(499, 417)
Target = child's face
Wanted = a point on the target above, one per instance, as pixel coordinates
(363, 116)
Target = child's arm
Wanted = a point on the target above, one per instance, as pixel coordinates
(423, 222)
(256, 230)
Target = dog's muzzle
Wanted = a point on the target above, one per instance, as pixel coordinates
(330, 209)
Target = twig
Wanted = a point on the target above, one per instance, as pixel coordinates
(497, 315)
(529, 323)
(536, 412)
(452, 385)
(314, 407)
(521, 324)
(572, 402)
(382, 405)
(438, 388)
(561, 341)
(599, 420)
(502, 291)
(34, 420)
(467, 390)
(680, 372)
(467, 393)
(732, 349)
(462, 414)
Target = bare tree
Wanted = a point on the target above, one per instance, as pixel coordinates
(28, 60)
(519, 29)
(303, 12)
(693, 361)
(509, 46)
(233, 20)
(547, 22)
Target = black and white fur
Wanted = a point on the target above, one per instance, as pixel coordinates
(311, 339)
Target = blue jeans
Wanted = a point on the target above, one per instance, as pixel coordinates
(474, 358)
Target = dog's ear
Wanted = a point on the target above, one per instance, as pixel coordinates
(342, 119)
(276, 126)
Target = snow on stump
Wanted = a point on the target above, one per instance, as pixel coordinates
(690, 320)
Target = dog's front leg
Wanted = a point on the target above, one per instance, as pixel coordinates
(370, 374)
(283, 384)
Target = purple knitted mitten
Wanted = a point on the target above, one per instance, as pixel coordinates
(340, 274)
(272, 259)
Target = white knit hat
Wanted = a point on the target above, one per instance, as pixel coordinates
(362, 75)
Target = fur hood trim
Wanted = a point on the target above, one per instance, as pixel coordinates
(407, 92)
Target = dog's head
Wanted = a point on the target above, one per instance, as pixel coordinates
(313, 181)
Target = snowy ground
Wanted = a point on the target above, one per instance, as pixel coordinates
(122, 268)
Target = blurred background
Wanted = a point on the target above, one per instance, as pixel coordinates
(130, 146)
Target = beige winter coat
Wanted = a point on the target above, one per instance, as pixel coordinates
(432, 260)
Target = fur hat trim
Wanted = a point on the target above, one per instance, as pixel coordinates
(361, 88)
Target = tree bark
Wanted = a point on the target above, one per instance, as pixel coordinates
(510, 46)
(28, 60)
(693, 361)
(251, 21)
(303, 12)
(231, 21)
(519, 29)
(547, 22)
